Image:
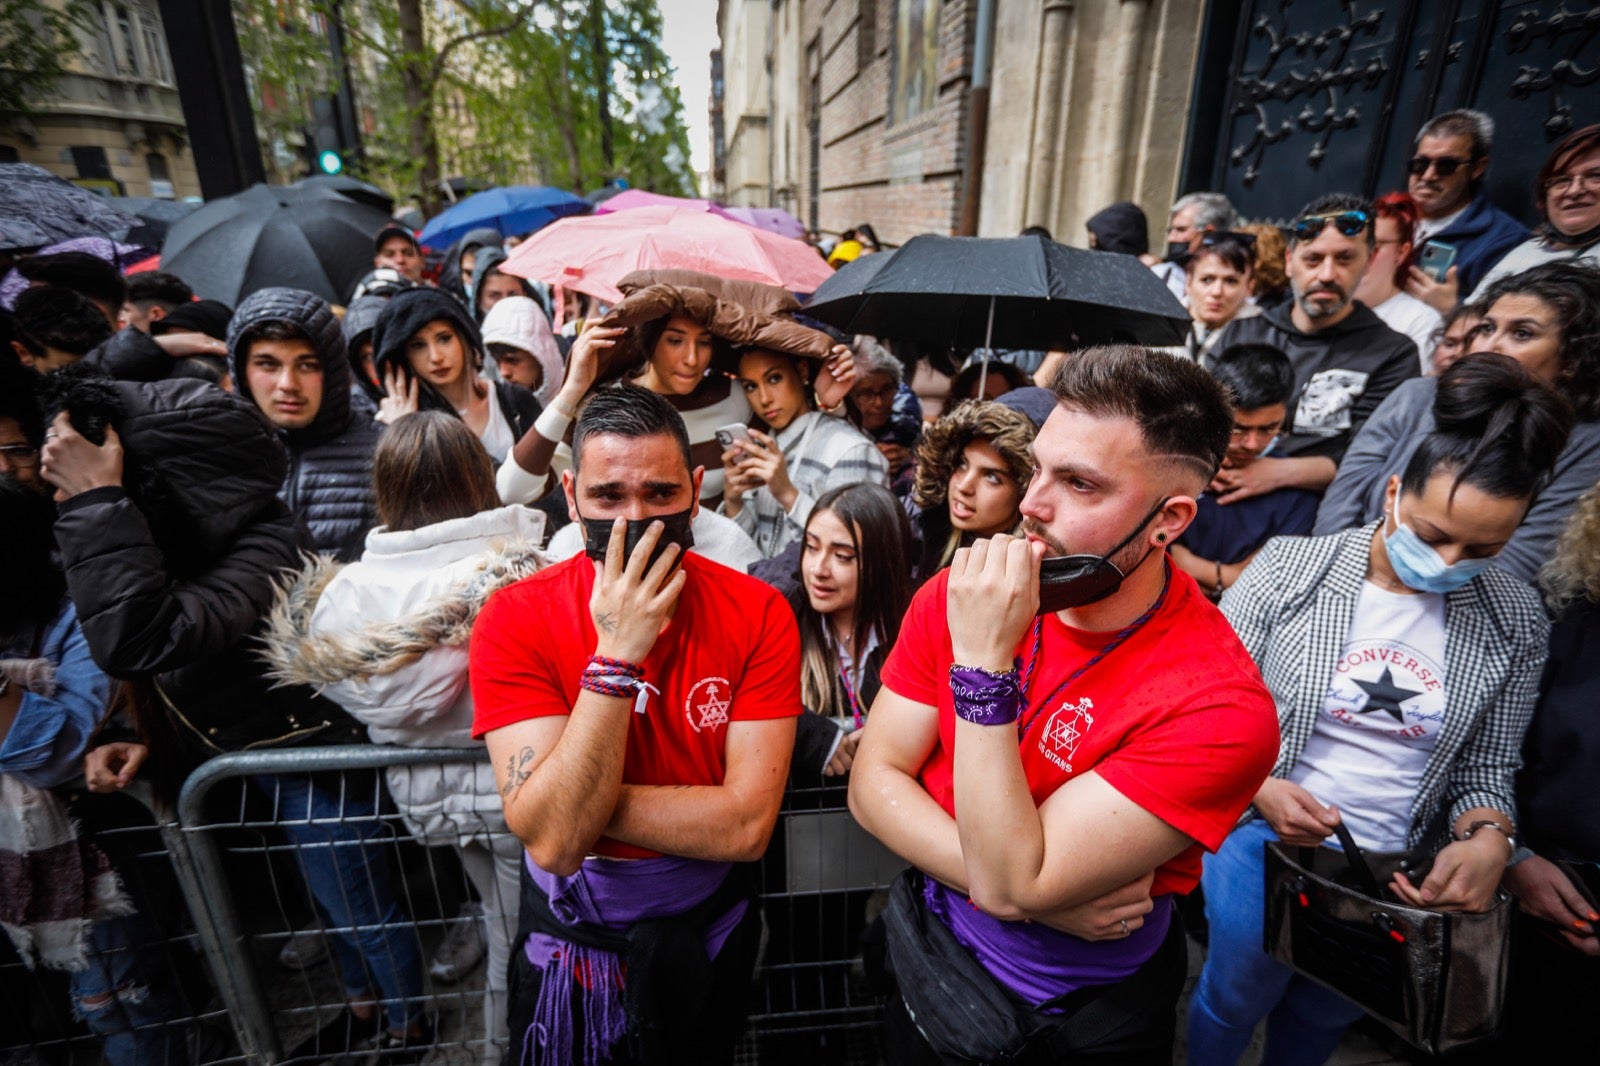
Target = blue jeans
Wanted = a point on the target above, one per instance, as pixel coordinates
(1241, 983)
(339, 839)
(127, 998)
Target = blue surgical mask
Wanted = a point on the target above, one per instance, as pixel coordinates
(1419, 567)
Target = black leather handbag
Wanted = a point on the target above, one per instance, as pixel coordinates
(1436, 979)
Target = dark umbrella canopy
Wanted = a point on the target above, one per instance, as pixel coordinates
(1040, 295)
(17, 234)
(154, 216)
(60, 208)
(851, 278)
(302, 237)
(351, 189)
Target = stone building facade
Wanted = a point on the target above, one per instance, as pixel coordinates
(869, 110)
(113, 122)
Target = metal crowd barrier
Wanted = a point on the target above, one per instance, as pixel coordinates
(226, 872)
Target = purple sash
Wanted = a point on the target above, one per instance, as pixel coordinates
(1039, 963)
(614, 893)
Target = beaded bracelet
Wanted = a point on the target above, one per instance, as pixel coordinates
(985, 697)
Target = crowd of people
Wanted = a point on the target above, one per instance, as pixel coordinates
(1074, 634)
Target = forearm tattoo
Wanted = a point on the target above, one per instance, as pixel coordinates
(517, 771)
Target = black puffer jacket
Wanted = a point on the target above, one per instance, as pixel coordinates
(329, 481)
(405, 316)
(173, 574)
(130, 355)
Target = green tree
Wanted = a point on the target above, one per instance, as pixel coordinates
(37, 41)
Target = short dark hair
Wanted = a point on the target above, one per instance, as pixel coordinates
(1462, 123)
(964, 386)
(632, 412)
(273, 329)
(1037, 231)
(1238, 255)
(1334, 203)
(1573, 290)
(1180, 409)
(51, 317)
(428, 468)
(1497, 427)
(79, 271)
(1577, 143)
(18, 399)
(1255, 375)
(155, 287)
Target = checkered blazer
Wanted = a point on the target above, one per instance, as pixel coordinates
(1292, 609)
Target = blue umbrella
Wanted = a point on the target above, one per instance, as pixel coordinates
(512, 209)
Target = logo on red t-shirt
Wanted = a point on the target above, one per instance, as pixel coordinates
(707, 704)
(1064, 730)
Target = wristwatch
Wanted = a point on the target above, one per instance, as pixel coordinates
(1490, 823)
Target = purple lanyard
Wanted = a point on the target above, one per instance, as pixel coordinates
(1038, 642)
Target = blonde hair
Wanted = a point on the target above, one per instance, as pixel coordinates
(1574, 573)
(1270, 276)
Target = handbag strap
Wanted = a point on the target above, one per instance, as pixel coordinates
(1357, 860)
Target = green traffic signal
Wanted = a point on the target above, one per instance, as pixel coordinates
(329, 161)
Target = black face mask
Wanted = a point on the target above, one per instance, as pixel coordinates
(1177, 251)
(597, 535)
(1078, 580)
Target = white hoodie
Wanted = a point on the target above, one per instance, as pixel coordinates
(519, 322)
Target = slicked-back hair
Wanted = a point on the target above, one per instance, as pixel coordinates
(1334, 203)
(1254, 375)
(1462, 123)
(430, 468)
(1498, 428)
(1181, 411)
(1212, 210)
(628, 411)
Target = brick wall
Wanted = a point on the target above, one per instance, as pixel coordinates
(903, 179)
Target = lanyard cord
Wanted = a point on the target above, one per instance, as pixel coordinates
(849, 689)
(1115, 642)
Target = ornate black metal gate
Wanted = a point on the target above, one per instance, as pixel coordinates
(1298, 97)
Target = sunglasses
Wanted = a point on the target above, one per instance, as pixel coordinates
(1446, 165)
(1348, 223)
(1214, 237)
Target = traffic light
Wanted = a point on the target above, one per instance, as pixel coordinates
(326, 152)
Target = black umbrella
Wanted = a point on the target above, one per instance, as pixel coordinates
(352, 189)
(18, 234)
(154, 216)
(1010, 292)
(305, 237)
(58, 207)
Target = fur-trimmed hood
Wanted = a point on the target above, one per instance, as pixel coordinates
(294, 656)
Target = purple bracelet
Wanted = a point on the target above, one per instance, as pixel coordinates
(984, 697)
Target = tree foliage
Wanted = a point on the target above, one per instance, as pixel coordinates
(561, 92)
(37, 42)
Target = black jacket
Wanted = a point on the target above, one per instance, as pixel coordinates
(1341, 373)
(406, 314)
(173, 574)
(329, 480)
(130, 355)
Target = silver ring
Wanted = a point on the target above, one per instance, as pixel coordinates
(51, 435)
(1125, 930)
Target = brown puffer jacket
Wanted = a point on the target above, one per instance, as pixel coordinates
(746, 314)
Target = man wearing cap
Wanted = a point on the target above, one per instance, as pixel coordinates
(396, 248)
(1346, 360)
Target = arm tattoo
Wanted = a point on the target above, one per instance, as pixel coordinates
(606, 621)
(517, 771)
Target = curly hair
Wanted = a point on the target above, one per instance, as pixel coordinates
(1574, 573)
(1009, 432)
(1270, 279)
(1572, 291)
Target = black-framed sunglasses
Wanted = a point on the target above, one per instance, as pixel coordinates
(1348, 223)
(1213, 237)
(1446, 165)
(20, 453)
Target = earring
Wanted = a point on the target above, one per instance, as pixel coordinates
(1162, 537)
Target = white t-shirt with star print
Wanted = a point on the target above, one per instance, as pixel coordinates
(1381, 717)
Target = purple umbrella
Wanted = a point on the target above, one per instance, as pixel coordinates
(772, 219)
(119, 255)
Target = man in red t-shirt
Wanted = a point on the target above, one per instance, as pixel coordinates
(640, 713)
(1057, 740)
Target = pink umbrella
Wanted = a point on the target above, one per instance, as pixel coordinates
(592, 254)
(631, 199)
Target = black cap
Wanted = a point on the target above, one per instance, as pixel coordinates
(395, 229)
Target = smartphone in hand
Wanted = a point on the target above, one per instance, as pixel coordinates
(1436, 259)
(733, 433)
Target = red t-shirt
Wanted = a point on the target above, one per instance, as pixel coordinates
(730, 653)
(1177, 718)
